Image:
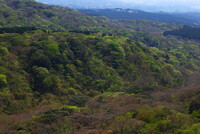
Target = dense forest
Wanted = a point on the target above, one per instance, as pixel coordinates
(185, 32)
(62, 72)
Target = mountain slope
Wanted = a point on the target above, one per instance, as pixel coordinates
(126, 55)
(117, 77)
(33, 14)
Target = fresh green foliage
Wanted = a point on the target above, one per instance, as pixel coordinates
(64, 72)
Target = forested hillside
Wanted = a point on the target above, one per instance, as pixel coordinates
(185, 32)
(65, 72)
(29, 13)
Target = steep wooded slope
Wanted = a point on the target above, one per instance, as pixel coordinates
(93, 79)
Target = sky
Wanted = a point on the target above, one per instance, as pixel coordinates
(168, 4)
(147, 5)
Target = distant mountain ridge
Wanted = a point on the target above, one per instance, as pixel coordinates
(151, 6)
(108, 9)
(119, 13)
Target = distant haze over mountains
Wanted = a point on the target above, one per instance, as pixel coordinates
(192, 19)
(85, 3)
(147, 5)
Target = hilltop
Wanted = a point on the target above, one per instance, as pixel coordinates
(32, 14)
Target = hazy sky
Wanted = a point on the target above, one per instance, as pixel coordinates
(176, 5)
(149, 5)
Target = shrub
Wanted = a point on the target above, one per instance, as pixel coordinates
(71, 91)
(163, 125)
(130, 126)
(78, 101)
(3, 51)
(52, 83)
(70, 108)
(195, 129)
(56, 114)
(196, 114)
(41, 60)
(3, 81)
(146, 114)
(195, 104)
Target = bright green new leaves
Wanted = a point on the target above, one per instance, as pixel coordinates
(53, 48)
(3, 81)
(52, 83)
